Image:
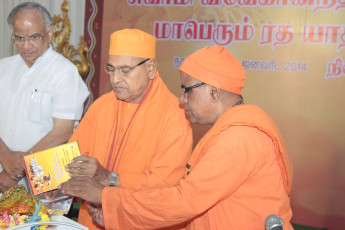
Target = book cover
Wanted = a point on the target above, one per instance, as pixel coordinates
(45, 170)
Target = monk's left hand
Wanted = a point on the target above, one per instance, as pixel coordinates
(87, 188)
(87, 166)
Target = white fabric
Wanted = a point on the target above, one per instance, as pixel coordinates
(31, 97)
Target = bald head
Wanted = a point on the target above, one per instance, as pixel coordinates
(30, 6)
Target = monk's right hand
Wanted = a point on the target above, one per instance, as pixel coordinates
(87, 166)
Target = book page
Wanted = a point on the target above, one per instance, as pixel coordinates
(45, 170)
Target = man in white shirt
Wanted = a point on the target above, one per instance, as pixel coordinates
(41, 93)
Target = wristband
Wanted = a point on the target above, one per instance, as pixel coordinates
(113, 178)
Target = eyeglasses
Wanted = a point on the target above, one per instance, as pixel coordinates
(33, 39)
(124, 70)
(185, 90)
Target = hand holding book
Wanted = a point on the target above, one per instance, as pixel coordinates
(88, 166)
(87, 188)
(88, 179)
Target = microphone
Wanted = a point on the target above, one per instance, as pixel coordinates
(273, 222)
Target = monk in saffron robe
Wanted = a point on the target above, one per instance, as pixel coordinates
(136, 136)
(239, 173)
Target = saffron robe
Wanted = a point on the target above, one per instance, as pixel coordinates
(239, 174)
(147, 148)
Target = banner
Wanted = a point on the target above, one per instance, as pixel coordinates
(293, 52)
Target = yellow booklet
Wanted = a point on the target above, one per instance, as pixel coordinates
(45, 170)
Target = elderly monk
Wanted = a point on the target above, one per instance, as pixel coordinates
(239, 173)
(136, 136)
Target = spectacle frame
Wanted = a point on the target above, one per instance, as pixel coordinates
(185, 90)
(124, 70)
(33, 39)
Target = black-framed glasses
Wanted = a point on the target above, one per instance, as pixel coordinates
(124, 70)
(185, 90)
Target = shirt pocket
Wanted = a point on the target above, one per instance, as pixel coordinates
(41, 107)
